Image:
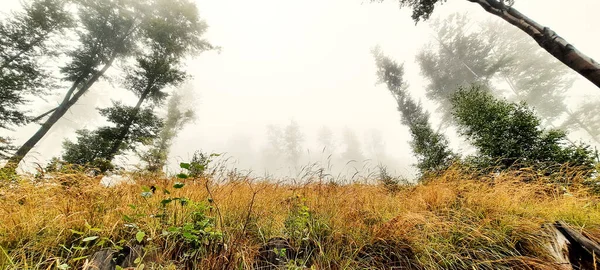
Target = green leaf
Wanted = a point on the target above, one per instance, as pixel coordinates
(63, 266)
(91, 238)
(184, 165)
(127, 218)
(139, 236)
(145, 189)
(166, 191)
(78, 258)
(178, 185)
(76, 232)
(146, 194)
(165, 202)
(182, 176)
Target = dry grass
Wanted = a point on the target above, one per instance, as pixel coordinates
(454, 221)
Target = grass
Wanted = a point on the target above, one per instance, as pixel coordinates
(456, 220)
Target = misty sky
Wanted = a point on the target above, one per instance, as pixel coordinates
(308, 61)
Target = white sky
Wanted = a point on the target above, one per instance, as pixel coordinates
(310, 61)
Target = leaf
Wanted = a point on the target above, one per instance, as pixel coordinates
(127, 218)
(182, 176)
(184, 165)
(166, 191)
(145, 189)
(63, 266)
(146, 194)
(178, 185)
(139, 236)
(76, 232)
(165, 202)
(91, 238)
(79, 258)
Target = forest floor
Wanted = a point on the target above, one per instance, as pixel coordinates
(456, 220)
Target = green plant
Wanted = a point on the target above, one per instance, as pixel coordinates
(511, 134)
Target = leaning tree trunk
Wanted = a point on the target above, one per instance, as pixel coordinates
(547, 39)
(122, 136)
(69, 100)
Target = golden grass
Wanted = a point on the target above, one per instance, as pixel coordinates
(454, 221)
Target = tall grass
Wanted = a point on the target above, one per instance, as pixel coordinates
(456, 220)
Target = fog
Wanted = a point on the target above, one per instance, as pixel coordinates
(307, 62)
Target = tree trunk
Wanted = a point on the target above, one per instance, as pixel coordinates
(125, 131)
(547, 39)
(60, 111)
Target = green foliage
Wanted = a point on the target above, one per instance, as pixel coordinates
(457, 58)
(176, 119)
(25, 39)
(430, 147)
(198, 165)
(185, 222)
(511, 134)
(93, 148)
(302, 226)
(490, 54)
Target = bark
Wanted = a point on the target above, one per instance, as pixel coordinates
(547, 39)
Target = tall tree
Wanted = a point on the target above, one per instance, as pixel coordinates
(557, 46)
(430, 147)
(456, 59)
(463, 54)
(352, 147)
(155, 32)
(108, 31)
(177, 117)
(172, 34)
(292, 143)
(25, 38)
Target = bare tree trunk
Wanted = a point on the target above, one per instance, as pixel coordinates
(546, 38)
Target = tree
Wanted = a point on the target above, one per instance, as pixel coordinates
(352, 150)
(176, 118)
(157, 32)
(467, 58)
(24, 40)
(292, 143)
(510, 134)
(94, 148)
(170, 36)
(557, 46)
(480, 56)
(430, 147)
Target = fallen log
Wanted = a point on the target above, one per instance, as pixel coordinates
(582, 251)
